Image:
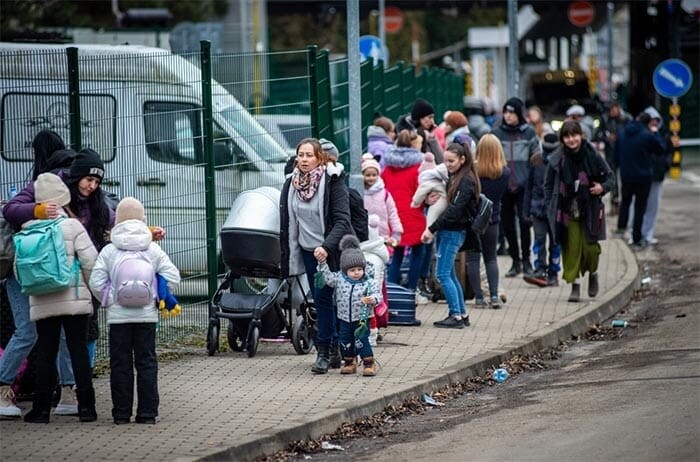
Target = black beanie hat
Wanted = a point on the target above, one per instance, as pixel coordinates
(87, 163)
(420, 109)
(550, 142)
(517, 106)
(350, 253)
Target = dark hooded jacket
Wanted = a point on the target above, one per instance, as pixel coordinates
(519, 143)
(636, 149)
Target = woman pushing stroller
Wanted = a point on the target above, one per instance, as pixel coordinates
(314, 216)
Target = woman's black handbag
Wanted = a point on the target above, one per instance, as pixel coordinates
(483, 215)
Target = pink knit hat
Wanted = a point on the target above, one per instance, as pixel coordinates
(368, 161)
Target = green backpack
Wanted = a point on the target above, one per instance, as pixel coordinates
(41, 264)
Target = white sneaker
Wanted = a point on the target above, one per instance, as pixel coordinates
(68, 405)
(7, 404)
(421, 300)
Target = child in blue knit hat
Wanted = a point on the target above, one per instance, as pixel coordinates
(356, 294)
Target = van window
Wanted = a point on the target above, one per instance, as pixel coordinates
(173, 132)
(23, 115)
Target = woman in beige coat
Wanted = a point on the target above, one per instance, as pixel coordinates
(69, 308)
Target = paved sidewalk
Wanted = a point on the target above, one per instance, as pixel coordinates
(231, 407)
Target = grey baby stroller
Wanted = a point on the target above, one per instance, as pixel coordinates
(270, 306)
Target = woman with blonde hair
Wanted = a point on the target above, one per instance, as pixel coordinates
(493, 175)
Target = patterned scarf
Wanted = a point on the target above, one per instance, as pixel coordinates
(575, 166)
(306, 184)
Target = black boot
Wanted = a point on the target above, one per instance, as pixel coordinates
(335, 360)
(592, 284)
(322, 360)
(575, 293)
(41, 409)
(86, 405)
(514, 270)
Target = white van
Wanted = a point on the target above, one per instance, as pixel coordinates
(141, 110)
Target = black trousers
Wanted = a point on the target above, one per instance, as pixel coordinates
(133, 344)
(512, 210)
(49, 333)
(639, 190)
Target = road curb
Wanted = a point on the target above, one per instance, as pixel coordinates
(268, 442)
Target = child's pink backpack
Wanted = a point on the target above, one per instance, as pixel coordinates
(133, 281)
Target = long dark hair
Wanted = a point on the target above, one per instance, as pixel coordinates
(467, 169)
(45, 143)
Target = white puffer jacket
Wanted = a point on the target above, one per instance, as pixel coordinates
(74, 300)
(131, 235)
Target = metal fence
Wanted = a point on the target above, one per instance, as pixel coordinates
(180, 132)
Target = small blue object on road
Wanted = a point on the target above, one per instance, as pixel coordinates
(672, 78)
(500, 375)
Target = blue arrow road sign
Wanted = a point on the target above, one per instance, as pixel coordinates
(371, 47)
(672, 78)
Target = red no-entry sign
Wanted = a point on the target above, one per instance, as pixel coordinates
(393, 19)
(581, 14)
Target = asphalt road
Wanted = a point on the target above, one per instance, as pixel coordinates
(630, 394)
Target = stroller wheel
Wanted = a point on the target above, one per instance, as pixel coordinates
(235, 341)
(212, 339)
(253, 339)
(301, 337)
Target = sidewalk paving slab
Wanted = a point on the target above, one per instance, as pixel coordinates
(231, 407)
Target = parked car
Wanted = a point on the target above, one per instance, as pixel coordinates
(286, 129)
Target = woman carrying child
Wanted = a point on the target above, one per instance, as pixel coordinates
(451, 227)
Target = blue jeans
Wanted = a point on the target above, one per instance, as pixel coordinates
(448, 244)
(63, 364)
(24, 337)
(326, 330)
(415, 265)
(652, 211)
(133, 345)
(351, 347)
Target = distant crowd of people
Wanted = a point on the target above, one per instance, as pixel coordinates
(426, 185)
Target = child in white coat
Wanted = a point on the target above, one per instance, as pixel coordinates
(431, 179)
(132, 329)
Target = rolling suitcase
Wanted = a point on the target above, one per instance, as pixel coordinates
(402, 306)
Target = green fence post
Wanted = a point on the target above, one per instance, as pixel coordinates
(325, 96)
(74, 98)
(209, 174)
(313, 89)
(366, 97)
